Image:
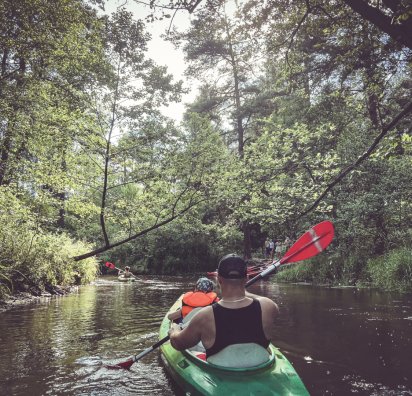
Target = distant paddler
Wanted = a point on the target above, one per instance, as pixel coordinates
(126, 275)
(122, 275)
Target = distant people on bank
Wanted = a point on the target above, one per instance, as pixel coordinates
(272, 249)
(288, 243)
(283, 248)
(267, 248)
(202, 296)
(278, 249)
(235, 331)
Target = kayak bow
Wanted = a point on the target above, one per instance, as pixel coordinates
(122, 278)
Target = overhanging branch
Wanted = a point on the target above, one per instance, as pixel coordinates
(402, 33)
(139, 234)
(364, 156)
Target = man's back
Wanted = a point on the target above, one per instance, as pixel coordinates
(204, 323)
(243, 326)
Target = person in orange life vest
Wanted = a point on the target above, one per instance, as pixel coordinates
(238, 318)
(202, 296)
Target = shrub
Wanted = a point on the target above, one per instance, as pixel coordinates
(392, 271)
(34, 257)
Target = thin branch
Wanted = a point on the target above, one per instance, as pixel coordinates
(107, 157)
(145, 231)
(171, 21)
(295, 31)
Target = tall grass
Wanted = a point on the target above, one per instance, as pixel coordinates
(33, 257)
(392, 271)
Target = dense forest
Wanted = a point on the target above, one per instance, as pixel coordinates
(303, 114)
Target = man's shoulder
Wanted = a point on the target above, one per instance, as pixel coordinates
(203, 314)
(267, 303)
(202, 318)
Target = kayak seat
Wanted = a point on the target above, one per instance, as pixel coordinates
(240, 356)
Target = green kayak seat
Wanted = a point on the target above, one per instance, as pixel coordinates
(240, 356)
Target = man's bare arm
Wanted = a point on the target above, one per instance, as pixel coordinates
(188, 337)
(175, 315)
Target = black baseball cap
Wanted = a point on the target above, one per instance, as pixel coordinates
(232, 266)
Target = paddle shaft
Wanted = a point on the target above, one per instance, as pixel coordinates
(135, 358)
(150, 349)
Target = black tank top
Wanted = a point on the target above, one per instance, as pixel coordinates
(237, 326)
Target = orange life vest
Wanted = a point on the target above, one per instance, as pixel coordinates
(197, 299)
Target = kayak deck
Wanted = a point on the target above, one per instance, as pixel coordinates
(123, 279)
(197, 377)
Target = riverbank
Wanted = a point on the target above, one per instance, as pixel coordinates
(22, 298)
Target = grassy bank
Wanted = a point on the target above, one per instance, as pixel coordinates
(33, 259)
(390, 272)
(38, 262)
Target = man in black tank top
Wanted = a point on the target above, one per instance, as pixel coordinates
(239, 317)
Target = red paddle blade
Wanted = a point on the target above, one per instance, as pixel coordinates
(310, 243)
(124, 365)
(110, 265)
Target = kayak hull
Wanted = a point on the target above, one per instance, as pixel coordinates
(197, 377)
(123, 279)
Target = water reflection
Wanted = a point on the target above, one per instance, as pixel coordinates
(341, 341)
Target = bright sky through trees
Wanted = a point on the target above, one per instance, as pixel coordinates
(161, 51)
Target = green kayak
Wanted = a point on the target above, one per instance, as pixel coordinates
(197, 377)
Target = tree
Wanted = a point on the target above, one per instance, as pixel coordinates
(225, 61)
(394, 17)
(50, 52)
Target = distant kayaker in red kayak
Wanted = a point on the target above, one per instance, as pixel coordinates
(202, 296)
(239, 319)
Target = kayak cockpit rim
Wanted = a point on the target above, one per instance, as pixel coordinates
(191, 355)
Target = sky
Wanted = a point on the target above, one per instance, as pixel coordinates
(161, 51)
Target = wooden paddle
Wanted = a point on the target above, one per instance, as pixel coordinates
(308, 245)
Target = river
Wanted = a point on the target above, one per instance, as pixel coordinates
(341, 341)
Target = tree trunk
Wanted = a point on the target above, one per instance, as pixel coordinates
(247, 242)
(4, 156)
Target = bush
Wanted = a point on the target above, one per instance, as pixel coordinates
(296, 273)
(34, 258)
(392, 271)
(179, 248)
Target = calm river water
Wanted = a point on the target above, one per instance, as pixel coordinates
(341, 341)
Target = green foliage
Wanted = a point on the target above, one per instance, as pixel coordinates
(187, 246)
(392, 271)
(326, 269)
(32, 257)
(292, 96)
